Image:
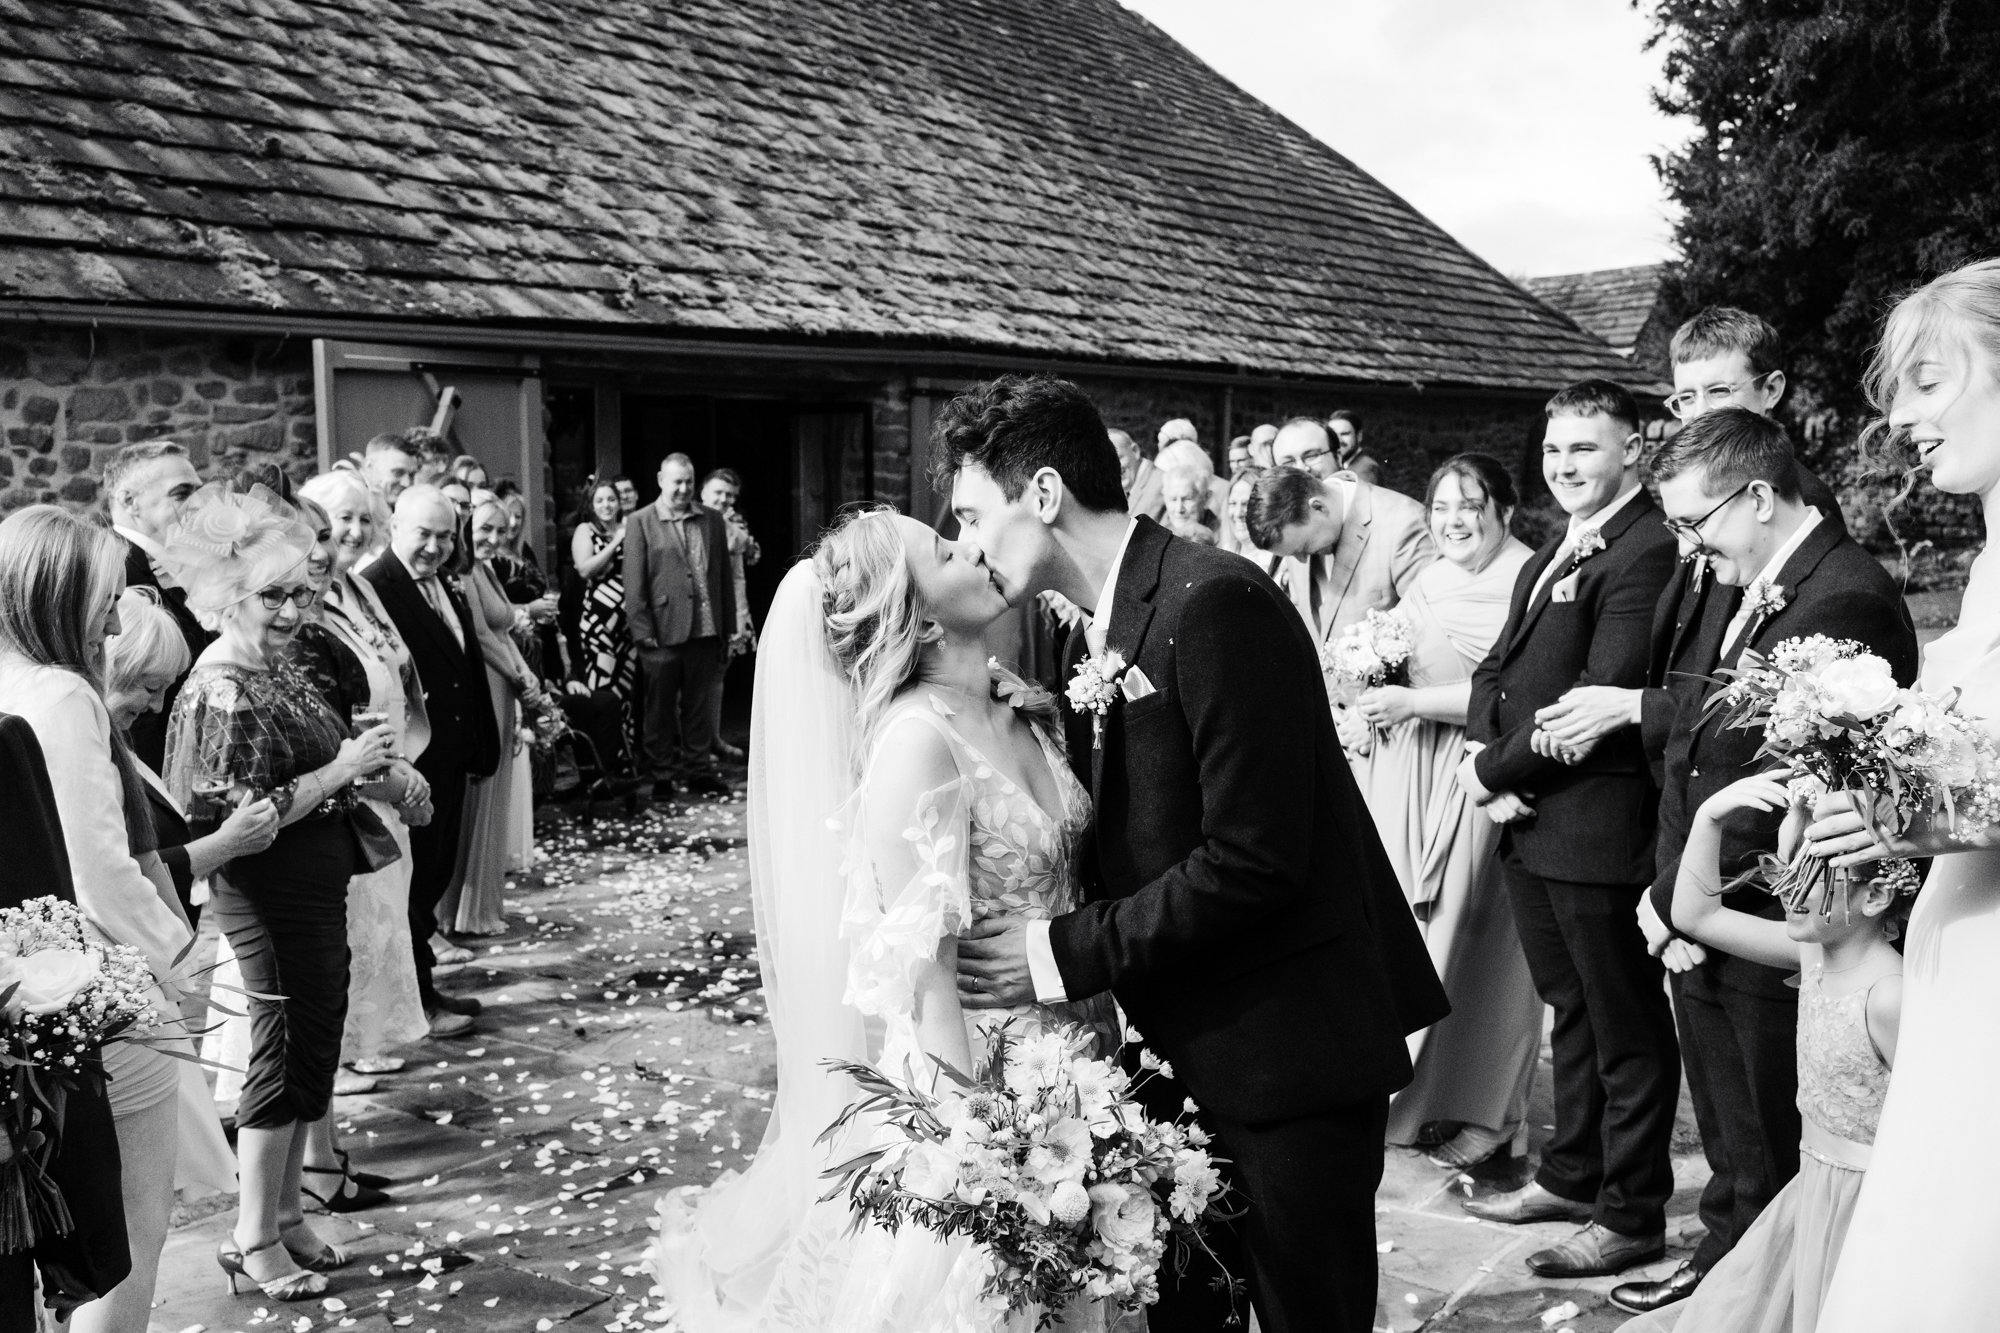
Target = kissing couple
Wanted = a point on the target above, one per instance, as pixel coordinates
(936, 849)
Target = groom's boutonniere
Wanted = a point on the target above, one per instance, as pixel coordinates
(1093, 688)
(1588, 543)
(1766, 600)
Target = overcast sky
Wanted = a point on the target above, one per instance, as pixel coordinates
(1522, 127)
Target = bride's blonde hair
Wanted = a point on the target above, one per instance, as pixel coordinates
(876, 626)
(1959, 308)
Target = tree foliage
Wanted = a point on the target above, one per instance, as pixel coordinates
(1844, 151)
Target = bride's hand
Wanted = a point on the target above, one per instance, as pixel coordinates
(1840, 834)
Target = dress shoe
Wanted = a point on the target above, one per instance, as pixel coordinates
(1598, 1251)
(1530, 1203)
(448, 1025)
(1645, 1297)
(707, 784)
(725, 750)
(456, 1004)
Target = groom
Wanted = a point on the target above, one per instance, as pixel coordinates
(1238, 903)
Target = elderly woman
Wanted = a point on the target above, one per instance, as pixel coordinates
(247, 721)
(1184, 492)
(59, 585)
(499, 813)
(145, 657)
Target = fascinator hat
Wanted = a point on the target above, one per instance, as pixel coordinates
(226, 546)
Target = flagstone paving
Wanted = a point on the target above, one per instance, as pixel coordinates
(623, 1051)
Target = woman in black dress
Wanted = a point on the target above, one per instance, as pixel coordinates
(248, 725)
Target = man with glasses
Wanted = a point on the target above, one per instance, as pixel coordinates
(1780, 570)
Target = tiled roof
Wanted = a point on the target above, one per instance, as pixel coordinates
(1613, 303)
(1055, 177)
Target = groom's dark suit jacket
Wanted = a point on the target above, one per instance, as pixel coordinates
(1594, 821)
(1239, 903)
(1832, 587)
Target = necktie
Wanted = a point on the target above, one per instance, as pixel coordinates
(434, 594)
(1305, 590)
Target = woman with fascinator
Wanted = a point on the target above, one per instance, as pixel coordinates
(249, 726)
(875, 703)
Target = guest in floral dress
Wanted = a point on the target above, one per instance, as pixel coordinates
(1473, 1069)
(598, 549)
(249, 725)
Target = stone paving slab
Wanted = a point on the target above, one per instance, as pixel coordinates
(623, 1050)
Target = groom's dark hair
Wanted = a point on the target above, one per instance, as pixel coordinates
(1015, 426)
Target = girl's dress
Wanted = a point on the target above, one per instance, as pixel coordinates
(1475, 1067)
(1776, 1279)
(1927, 1228)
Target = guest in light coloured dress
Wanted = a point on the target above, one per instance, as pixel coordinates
(1473, 1070)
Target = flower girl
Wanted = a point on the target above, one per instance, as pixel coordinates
(1852, 987)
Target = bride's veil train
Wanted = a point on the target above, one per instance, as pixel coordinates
(716, 1260)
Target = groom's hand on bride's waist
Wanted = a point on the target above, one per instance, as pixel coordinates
(993, 964)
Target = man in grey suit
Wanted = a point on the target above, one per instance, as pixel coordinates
(1354, 548)
(680, 604)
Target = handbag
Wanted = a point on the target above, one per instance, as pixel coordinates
(378, 845)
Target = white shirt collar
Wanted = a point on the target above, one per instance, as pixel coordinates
(1776, 564)
(139, 539)
(1604, 515)
(1100, 615)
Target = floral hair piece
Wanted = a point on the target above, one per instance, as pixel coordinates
(226, 546)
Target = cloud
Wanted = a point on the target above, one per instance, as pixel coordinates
(1523, 128)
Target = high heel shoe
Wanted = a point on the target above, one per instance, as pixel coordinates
(309, 1250)
(368, 1178)
(350, 1196)
(297, 1285)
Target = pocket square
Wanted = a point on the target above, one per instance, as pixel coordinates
(1134, 685)
(1565, 589)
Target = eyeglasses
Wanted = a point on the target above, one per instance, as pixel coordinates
(1690, 531)
(1688, 402)
(273, 598)
(1311, 456)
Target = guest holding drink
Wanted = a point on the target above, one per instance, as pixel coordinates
(60, 579)
(249, 715)
(1473, 1068)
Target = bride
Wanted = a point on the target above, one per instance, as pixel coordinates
(899, 790)
(1927, 1225)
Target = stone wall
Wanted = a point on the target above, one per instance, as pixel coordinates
(69, 398)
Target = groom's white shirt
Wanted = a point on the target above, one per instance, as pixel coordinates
(1042, 969)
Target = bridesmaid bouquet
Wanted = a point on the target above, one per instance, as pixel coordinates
(1369, 653)
(1832, 713)
(61, 998)
(1044, 1160)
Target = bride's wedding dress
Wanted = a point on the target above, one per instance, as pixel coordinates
(1927, 1227)
(840, 939)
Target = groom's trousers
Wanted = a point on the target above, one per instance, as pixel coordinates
(1305, 1245)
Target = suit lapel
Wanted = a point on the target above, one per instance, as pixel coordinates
(1131, 616)
(1526, 612)
(399, 581)
(1354, 533)
(1818, 544)
(1611, 529)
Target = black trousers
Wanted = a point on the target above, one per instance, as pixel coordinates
(285, 912)
(1305, 1245)
(683, 706)
(433, 860)
(1741, 1052)
(1616, 1066)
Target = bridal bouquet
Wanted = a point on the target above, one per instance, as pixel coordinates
(1043, 1159)
(61, 997)
(1833, 713)
(1369, 653)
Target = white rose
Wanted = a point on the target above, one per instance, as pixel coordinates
(1860, 687)
(48, 980)
(1121, 1215)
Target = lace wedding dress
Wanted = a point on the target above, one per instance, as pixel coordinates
(1927, 1226)
(758, 1251)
